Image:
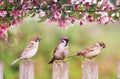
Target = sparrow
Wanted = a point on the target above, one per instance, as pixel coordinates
(91, 51)
(61, 50)
(30, 50)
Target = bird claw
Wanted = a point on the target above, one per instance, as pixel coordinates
(56, 62)
(63, 61)
(30, 60)
(88, 59)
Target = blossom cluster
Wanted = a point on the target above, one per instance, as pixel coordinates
(65, 12)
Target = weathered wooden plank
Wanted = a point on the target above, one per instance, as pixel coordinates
(89, 70)
(26, 70)
(60, 70)
(1, 70)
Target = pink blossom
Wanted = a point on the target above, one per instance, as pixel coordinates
(23, 12)
(11, 1)
(16, 22)
(62, 23)
(81, 23)
(52, 19)
(1, 3)
(104, 19)
(15, 13)
(3, 13)
(89, 18)
(76, 7)
(56, 12)
(104, 2)
(68, 1)
(27, 5)
(21, 1)
(54, 1)
(20, 21)
(35, 2)
(65, 14)
(2, 33)
(72, 20)
(105, 8)
(99, 4)
(4, 25)
(3, 29)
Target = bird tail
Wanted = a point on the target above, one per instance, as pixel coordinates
(14, 61)
(71, 56)
(51, 61)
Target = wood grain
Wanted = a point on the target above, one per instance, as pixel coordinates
(1, 70)
(89, 70)
(26, 70)
(60, 70)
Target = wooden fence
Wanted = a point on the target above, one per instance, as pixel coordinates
(60, 70)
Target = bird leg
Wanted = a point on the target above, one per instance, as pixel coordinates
(90, 58)
(86, 59)
(63, 61)
(56, 61)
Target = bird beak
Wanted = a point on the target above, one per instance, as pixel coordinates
(104, 46)
(39, 39)
(67, 40)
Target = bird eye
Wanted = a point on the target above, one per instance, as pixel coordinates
(101, 45)
(62, 41)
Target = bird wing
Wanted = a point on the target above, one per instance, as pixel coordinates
(88, 49)
(27, 49)
(60, 56)
(56, 48)
(53, 58)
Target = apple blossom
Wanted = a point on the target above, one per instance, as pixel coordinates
(64, 12)
(3, 13)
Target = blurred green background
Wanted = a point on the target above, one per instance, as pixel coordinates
(80, 37)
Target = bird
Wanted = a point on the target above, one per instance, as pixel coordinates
(30, 50)
(91, 51)
(61, 50)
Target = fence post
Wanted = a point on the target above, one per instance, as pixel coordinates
(89, 70)
(26, 70)
(118, 71)
(60, 70)
(1, 70)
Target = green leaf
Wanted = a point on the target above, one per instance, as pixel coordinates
(94, 15)
(98, 1)
(42, 19)
(49, 16)
(115, 17)
(69, 8)
(33, 15)
(92, 8)
(81, 7)
(77, 14)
